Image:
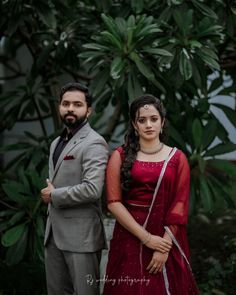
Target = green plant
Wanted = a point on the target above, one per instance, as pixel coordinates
(22, 220)
(120, 49)
(213, 249)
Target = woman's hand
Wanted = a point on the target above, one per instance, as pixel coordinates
(157, 262)
(159, 244)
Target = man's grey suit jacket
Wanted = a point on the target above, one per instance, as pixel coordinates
(74, 216)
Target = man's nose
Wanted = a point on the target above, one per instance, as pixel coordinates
(71, 107)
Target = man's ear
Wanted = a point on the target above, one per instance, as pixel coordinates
(89, 111)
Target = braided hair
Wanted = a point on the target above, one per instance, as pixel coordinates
(131, 145)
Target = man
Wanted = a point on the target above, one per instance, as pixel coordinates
(74, 233)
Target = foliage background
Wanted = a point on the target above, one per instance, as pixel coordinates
(181, 51)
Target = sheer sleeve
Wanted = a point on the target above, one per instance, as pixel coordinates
(178, 211)
(113, 186)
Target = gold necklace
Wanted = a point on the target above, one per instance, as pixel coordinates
(159, 148)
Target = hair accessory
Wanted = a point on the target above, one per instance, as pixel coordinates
(146, 106)
(149, 152)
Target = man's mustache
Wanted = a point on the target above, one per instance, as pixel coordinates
(71, 115)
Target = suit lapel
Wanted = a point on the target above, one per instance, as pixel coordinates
(74, 141)
(51, 165)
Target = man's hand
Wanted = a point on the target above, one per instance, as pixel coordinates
(46, 192)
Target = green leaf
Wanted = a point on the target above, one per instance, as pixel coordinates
(197, 132)
(111, 39)
(204, 9)
(12, 235)
(158, 51)
(40, 226)
(209, 134)
(220, 190)
(197, 77)
(146, 71)
(148, 30)
(117, 66)
(185, 66)
(44, 55)
(220, 149)
(192, 202)
(16, 252)
(230, 113)
(205, 194)
(98, 84)
(14, 190)
(16, 218)
(223, 165)
(131, 21)
(177, 136)
(216, 84)
(46, 14)
(111, 26)
(95, 46)
(39, 249)
(4, 225)
(222, 133)
(8, 212)
(184, 20)
(207, 57)
(233, 9)
(137, 6)
(121, 27)
(201, 164)
(134, 87)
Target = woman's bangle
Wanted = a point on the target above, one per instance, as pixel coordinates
(147, 239)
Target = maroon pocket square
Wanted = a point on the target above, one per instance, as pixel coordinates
(68, 157)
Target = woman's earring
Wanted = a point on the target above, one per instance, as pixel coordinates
(136, 133)
(161, 130)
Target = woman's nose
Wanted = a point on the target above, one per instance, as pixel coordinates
(149, 123)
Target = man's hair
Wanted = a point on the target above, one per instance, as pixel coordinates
(75, 86)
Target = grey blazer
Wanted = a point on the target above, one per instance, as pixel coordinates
(74, 216)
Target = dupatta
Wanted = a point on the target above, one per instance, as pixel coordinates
(167, 229)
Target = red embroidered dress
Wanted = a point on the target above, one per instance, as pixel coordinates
(128, 259)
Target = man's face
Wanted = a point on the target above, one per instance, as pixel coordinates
(73, 109)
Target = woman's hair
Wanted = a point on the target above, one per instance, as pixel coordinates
(131, 144)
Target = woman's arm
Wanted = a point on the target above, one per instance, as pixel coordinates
(120, 212)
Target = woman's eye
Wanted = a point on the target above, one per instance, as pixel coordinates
(141, 121)
(154, 119)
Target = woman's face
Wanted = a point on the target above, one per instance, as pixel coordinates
(148, 123)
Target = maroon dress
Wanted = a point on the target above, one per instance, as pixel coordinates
(128, 259)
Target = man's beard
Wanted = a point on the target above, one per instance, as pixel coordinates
(75, 123)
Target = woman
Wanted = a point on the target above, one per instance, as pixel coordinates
(148, 193)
